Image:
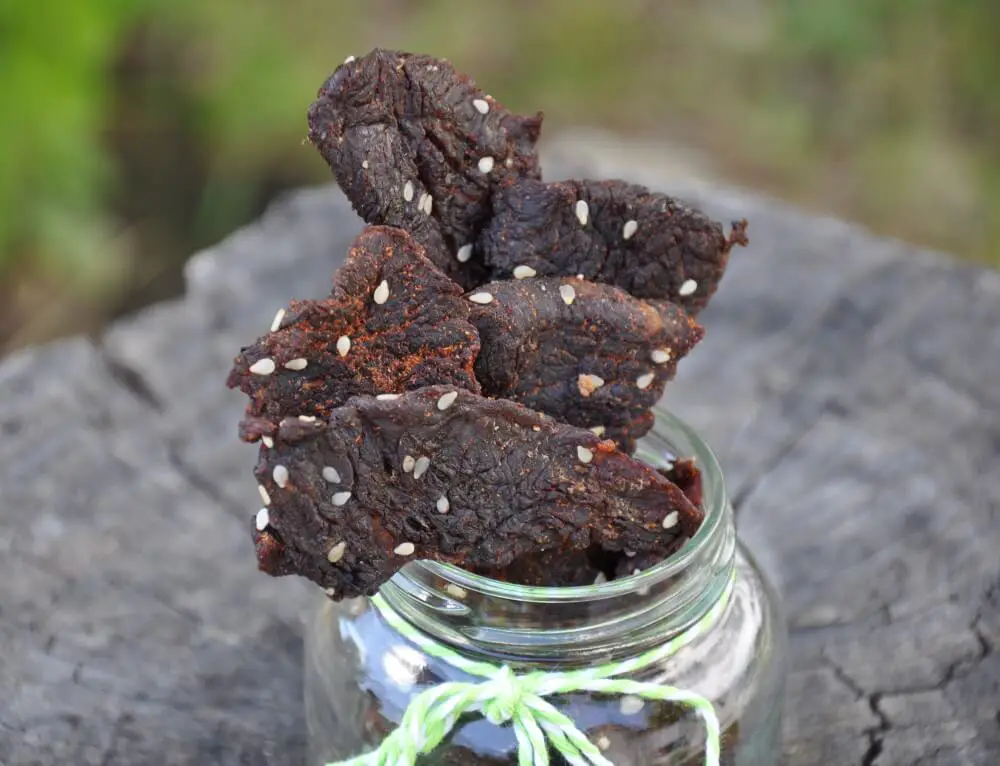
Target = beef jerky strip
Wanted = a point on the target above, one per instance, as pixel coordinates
(441, 473)
(414, 143)
(392, 322)
(686, 475)
(623, 234)
(551, 568)
(587, 354)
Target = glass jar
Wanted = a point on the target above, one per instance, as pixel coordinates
(360, 673)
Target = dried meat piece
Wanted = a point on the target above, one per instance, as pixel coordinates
(552, 568)
(392, 322)
(587, 354)
(647, 243)
(686, 475)
(441, 473)
(414, 143)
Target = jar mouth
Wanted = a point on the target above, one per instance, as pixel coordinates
(684, 443)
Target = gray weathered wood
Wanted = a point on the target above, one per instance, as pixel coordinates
(850, 384)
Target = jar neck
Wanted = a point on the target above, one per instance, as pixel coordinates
(519, 624)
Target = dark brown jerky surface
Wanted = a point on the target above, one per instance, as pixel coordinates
(587, 354)
(415, 144)
(686, 475)
(551, 568)
(623, 234)
(392, 322)
(444, 474)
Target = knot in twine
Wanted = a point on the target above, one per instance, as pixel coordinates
(520, 700)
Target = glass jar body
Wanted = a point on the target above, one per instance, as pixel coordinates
(361, 674)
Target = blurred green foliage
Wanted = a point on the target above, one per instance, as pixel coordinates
(138, 130)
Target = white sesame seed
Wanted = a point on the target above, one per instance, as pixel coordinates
(296, 364)
(568, 293)
(263, 366)
(276, 322)
(364, 164)
(266, 498)
(262, 519)
(404, 549)
(485, 164)
(447, 400)
(408, 191)
(597, 430)
(331, 474)
(629, 229)
(524, 272)
(588, 384)
(381, 294)
(584, 454)
(331, 592)
(670, 520)
(464, 253)
(509, 162)
(645, 381)
(482, 298)
(443, 504)
(341, 498)
(482, 106)
(280, 476)
(420, 467)
(349, 59)
(307, 418)
(631, 555)
(660, 355)
(603, 743)
(343, 345)
(408, 462)
(636, 570)
(387, 397)
(268, 441)
(455, 591)
(643, 591)
(630, 704)
(600, 579)
(425, 204)
(582, 210)
(688, 287)
(337, 552)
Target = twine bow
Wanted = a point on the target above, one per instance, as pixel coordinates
(520, 699)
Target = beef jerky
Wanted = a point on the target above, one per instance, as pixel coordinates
(551, 568)
(392, 322)
(587, 354)
(414, 143)
(647, 243)
(441, 473)
(686, 475)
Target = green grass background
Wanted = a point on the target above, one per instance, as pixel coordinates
(136, 131)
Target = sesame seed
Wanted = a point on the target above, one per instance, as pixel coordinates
(337, 552)
(408, 191)
(455, 591)
(266, 498)
(597, 430)
(364, 164)
(408, 462)
(645, 381)
(331, 592)
(420, 467)
(485, 164)
(447, 400)
(341, 498)
(262, 519)
(588, 384)
(688, 287)
(568, 293)
(280, 476)
(262, 367)
(509, 162)
(660, 355)
(630, 704)
(331, 474)
(349, 59)
(276, 322)
(579, 276)
(670, 520)
(636, 571)
(343, 345)
(296, 364)
(481, 298)
(643, 591)
(464, 253)
(443, 504)
(524, 272)
(381, 294)
(404, 549)
(603, 743)
(629, 229)
(387, 397)
(481, 105)
(631, 555)
(268, 441)
(600, 579)
(582, 210)
(584, 454)
(426, 203)
(307, 418)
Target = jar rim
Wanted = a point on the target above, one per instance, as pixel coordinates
(714, 504)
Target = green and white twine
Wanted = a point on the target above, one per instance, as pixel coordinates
(520, 699)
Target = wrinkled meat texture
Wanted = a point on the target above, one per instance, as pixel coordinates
(647, 243)
(587, 354)
(420, 335)
(396, 126)
(514, 480)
